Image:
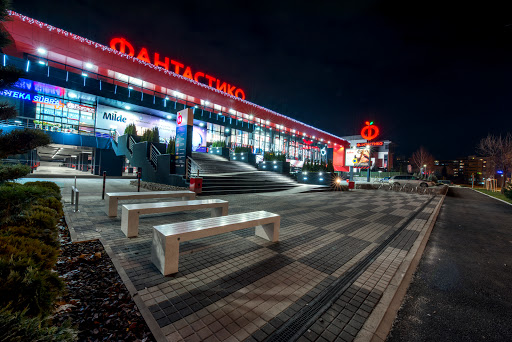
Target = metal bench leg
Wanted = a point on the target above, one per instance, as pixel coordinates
(165, 253)
(220, 211)
(269, 231)
(130, 222)
(111, 205)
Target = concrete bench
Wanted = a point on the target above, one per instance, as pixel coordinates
(131, 212)
(112, 198)
(165, 249)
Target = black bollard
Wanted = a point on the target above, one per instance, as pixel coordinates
(104, 181)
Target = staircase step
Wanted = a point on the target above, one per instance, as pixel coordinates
(221, 176)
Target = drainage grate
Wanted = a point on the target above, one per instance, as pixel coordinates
(303, 319)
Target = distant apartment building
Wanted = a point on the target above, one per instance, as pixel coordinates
(476, 167)
(402, 164)
(447, 168)
(463, 169)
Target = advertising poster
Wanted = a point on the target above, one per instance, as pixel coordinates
(199, 139)
(357, 157)
(110, 119)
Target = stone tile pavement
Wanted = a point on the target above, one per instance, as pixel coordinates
(239, 287)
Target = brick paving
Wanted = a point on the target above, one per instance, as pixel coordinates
(238, 287)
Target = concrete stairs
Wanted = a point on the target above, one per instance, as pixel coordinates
(222, 177)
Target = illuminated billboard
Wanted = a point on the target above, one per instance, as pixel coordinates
(357, 157)
(113, 119)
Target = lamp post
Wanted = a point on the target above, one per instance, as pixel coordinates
(425, 170)
(368, 175)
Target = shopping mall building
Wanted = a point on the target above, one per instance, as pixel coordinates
(84, 94)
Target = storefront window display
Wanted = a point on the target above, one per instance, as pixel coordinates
(73, 118)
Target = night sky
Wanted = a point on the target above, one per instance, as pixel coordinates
(431, 73)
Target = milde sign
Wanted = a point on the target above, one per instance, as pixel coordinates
(114, 117)
(123, 46)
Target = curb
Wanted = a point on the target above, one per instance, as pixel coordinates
(144, 311)
(72, 232)
(491, 197)
(379, 323)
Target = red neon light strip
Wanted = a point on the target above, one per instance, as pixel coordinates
(104, 48)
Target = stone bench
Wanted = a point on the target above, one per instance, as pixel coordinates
(131, 212)
(112, 198)
(165, 249)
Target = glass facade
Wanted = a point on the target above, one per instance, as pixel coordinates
(58, 109)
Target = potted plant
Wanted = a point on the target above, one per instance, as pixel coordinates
(275, 162)
(243, 154)
(219, 148)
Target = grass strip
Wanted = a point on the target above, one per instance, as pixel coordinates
(498, 195)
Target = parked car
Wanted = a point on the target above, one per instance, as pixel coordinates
(384, 180)
(407, 179)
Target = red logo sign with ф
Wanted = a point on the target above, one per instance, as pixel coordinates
(179, 120)
(370, 132)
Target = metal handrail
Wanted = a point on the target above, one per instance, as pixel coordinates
(131, 142)
(153, 155)
(116, 136)
(192, 168)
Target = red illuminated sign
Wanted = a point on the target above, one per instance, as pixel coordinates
(123, 46)
(370, 131)
(373, 143)
(179, 120)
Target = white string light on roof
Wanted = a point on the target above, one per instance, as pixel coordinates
(157, 68)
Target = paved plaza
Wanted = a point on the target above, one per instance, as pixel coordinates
(237, 286)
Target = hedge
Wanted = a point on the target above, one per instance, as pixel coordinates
(29, 247)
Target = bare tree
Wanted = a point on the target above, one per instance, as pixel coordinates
(498, 150)
(422, 157)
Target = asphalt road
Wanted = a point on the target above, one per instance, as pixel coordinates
(462, 289)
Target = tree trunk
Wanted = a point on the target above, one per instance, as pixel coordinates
(504, 180)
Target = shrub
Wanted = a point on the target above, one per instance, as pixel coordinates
(14, 198)
(219, 143)
(306, 167)
(155, 135)
(25, 286)
(20, 141)
(508, 190)
(29, 246)
(330, 166)
(243, 149)
(433, 178)
(29, 251)
(49, 238)
(51, 186)
(17, 326)
(38, 223)
(269, 156)
(147, 135)
(131, 129)
(53, 203)
(171, 147)
(12, 172)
